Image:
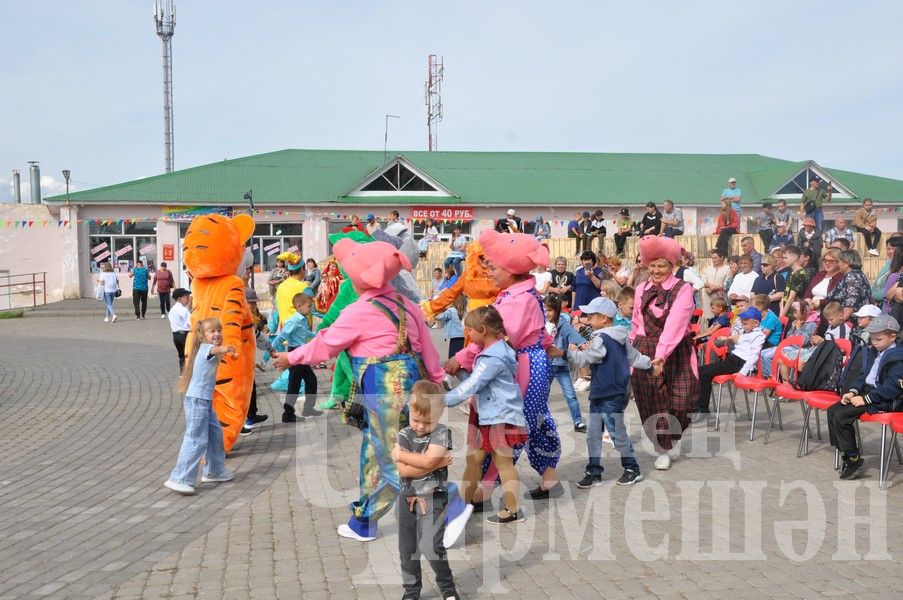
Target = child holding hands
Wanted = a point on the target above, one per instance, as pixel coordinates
(203, 433)
(500, 406)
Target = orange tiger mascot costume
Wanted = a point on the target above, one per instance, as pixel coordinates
(213, 251)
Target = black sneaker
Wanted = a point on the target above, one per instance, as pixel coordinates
(629, 477)
(589, 480)
(851, 466)
(580, 427)
(245, 431)
(479, 507)
(517, 517)
(258, 418)
(289, 417)
(312, 413)
(541, 494)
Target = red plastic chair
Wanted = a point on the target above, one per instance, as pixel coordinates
(894, 422)
(785, 320)
(758, 384)
(820, 400)
(789, 393)
(720, 380)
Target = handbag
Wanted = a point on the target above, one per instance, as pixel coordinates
(118, 291)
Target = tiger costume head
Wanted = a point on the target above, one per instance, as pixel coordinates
(214, 244)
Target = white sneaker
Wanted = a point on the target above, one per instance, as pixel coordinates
(581, 384)
(181, 488)
(113, 320)
(162, 316)
(348, 532)
(106, 319)
(455, 527)
(606, 439)
(663, 462)
(226, 476)
(873, 252)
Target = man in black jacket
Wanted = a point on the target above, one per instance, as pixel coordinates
(509, 224)
(878, 389)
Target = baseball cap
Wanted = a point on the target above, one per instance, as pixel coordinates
(740, 296)
(751, 313)
(600, 306)
(650, 205)
(511, 212)
(371, 217)
(883, 323)
(585, 213)
(625, 212)
(179, 292)
(732, 180)
(867, 310)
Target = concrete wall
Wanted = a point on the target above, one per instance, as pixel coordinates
(33, 249)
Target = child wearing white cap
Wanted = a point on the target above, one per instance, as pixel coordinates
(609, 356)
(864, 316)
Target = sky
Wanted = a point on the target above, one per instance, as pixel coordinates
(792, 79)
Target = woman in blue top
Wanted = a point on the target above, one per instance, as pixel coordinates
(203, 433)
(559, 327)
(587, 280)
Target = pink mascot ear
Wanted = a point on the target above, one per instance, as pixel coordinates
(374, 275)
(540, 256)
(404, 261)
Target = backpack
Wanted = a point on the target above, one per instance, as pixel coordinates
(854, 368)
(822, 371)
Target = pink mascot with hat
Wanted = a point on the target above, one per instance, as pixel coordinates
(662, 313)
(511, 257)
(390, 349)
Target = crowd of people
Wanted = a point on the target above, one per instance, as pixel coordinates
(612, 331)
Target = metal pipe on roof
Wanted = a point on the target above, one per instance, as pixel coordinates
(35, 180)
(17, 187)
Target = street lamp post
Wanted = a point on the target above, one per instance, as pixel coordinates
(249, 196)
(66, 174)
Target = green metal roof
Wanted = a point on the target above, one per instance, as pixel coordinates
(477, 178)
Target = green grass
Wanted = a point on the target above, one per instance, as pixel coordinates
(11, 314)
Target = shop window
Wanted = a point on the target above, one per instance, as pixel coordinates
(270, 239)
(113, 242)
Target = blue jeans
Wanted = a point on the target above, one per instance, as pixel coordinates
(108, 298)
(203, 438)
(608, 413)
(563, 376)
(455, 262)
(819, 215)
(735, 206)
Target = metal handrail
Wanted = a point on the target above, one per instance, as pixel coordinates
(37, 278)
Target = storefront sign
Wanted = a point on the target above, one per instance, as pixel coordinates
(187, 213)
(292, 249)
(148, 249)
(122, 251)
(269, 247)
(169, 252)
(102, 256)
(442, 213)
(99, 247)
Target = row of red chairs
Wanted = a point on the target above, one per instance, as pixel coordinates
(810, 401)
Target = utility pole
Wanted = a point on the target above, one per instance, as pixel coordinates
(386, 137)
(165, 20)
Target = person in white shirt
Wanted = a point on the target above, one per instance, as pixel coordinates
(744, 279)
(180, 321)
(742, 359)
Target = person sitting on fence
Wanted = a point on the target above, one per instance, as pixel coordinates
(625, 228)
(457, 247)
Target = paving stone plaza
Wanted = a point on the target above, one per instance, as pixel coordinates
(93, 425)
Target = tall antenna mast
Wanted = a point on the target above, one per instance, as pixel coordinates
(165, 19)
(433, 93)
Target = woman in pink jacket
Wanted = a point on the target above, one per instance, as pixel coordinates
(663, 307)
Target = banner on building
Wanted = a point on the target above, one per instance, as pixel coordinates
(169, 252)
(187, 213)
(442, 213)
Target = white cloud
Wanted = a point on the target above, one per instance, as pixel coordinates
(50, 186)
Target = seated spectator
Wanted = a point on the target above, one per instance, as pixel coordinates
(866, 222)
(765, 225)
(625, 229)
(687, 271)
(371, 225)
(672, 220)
(587, 279)
(864, 316)
(430, 236)
(771, 324)
(543, 230)
(355, 225)
(798, 280)
(562, 284)
(733, 267)
(853, 290)
(748, 247)
(743, 358)
(810, 237)
(783, 215)
(832, 326)
(840, 244)
(802, 322)
(876, 390)
(770, 283)
(726, 225)
(721, 318)
(782, 237)
(598, 230)
(738, 305)
(584, 233)
(651, 223)
(510, 223)
(457, 250)
(839, 231)
(543, 279)
(825, 280)
(743, 281)
(436, 282)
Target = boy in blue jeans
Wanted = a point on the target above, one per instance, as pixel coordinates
(609, 355)
(559, 327)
